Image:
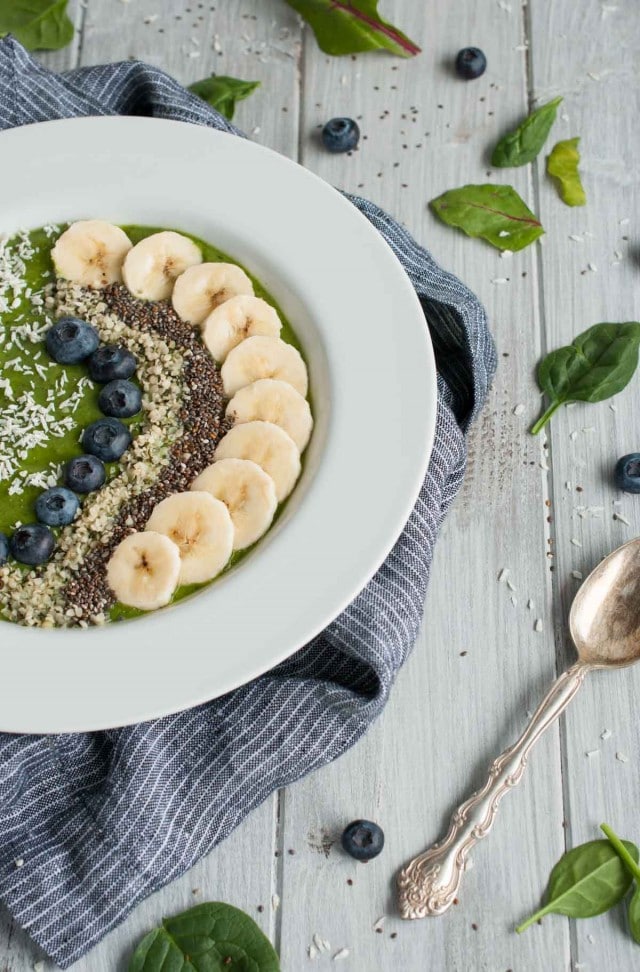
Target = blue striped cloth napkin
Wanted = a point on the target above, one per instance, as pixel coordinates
(91, 823)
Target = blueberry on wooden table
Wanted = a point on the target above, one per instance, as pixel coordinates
(111, 362)
(107, 439)
(32, 544)
(627, 473)
(71, 340)
(363, 840)
(57, 506)
(341, 135)
(120, 399)
(84, 474)
(4, 549)
(470, 63)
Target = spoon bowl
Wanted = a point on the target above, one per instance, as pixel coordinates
(605, 614)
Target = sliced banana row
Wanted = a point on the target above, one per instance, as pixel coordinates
(95, 253)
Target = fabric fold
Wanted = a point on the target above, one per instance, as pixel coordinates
(92, 823)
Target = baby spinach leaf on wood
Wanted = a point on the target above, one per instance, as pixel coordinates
(634, 870)
(204, 939)
(562, 165)
(37, 24)
(352, 26)
(495, 213)
(634, 916)
(222, 92)
(524, 142)
(586, 881)
(600, 363)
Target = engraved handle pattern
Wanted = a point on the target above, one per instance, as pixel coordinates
(429, 883)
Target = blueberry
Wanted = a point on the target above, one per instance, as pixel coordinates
(33, 544)
(627, 474)
(110, 362)
(4, 549)
(121, 399)
(84, 474)
(363, 840)
(470, 63)
(57, 506)
(71, 340)
(341, 135)
(108, 439)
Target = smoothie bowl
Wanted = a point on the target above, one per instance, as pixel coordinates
(153, 415)
(342, 316)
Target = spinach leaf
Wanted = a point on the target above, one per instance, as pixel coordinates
(634, 916)
(634, 871)
(352, 26)
(562, 165)
(586, 881)
(524, 142)
(204, 939)
(37, 24)
(495, 213)
(222, 92)
(600, 363)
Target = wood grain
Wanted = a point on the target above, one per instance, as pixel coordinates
(602, 97)
(479, 665)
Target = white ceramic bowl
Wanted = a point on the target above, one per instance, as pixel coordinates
(373, 384)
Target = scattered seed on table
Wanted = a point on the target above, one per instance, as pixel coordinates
(538, 625)
(621, 518)
(622, 758)
(592, 752)
(577, 574)
(342, 954)
(606, 734)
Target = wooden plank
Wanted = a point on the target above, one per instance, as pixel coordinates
(602, 95)
(192, 40)
(450, 713)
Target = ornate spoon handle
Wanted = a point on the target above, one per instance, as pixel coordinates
(429, 883)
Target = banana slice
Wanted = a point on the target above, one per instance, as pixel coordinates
(152, 265)
(263, 357)
(200, 289)
(274, 401)
(201, 528)
(143, 570)
(235, 320)
(91, 252)
(267, 445)
(248, 493)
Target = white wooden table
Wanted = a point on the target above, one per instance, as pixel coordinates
(542, 508)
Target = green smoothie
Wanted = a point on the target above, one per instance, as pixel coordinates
(35, 392)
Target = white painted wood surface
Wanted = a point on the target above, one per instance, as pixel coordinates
(479, 665)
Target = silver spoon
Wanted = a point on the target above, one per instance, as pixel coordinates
(605, 628)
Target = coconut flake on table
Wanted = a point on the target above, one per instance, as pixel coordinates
(621, 518)
(343, 953)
